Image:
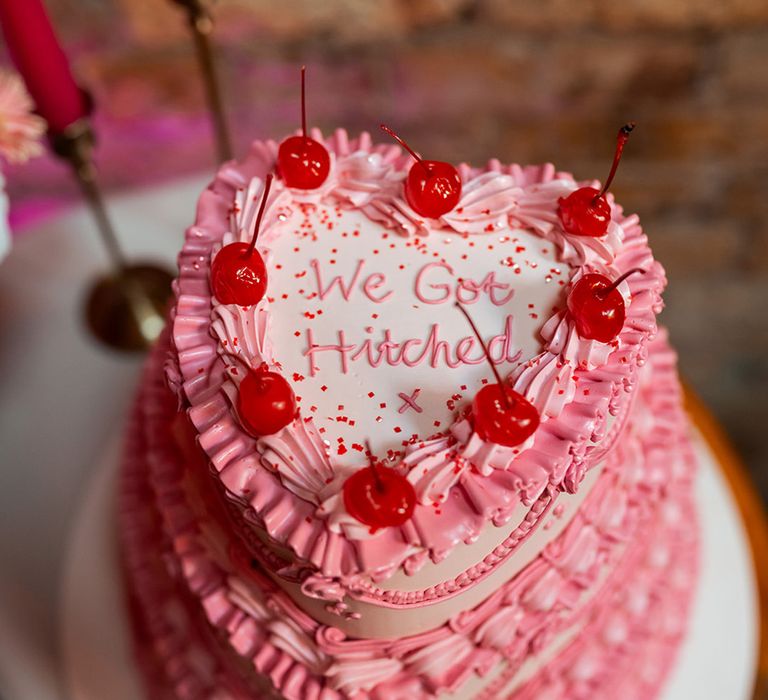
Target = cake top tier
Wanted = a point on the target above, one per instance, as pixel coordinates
(359, 318)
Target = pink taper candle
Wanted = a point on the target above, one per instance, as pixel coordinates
(40, 59)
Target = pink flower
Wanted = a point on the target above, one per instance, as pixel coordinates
(20, 130)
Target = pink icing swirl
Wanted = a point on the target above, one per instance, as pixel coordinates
(536, 211)
(486, 202)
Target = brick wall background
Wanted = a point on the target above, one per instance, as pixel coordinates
(467, 79)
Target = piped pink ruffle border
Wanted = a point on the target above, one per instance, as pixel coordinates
(642, 534)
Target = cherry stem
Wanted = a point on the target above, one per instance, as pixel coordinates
(262, 206)
(372, 463)
(487, 354)
(602, 293)
(303, 102)
(621, 141)
(418, 158)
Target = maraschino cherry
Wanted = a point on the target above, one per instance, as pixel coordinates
(433, 188)
(266, 403)
(597, 306)
(302, 162)
(586, 212)
(500, 414)
(238, 273)
(379, 496)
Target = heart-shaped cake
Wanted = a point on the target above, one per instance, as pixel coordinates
(416, 454)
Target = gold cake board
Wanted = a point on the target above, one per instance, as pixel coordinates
(752, 512)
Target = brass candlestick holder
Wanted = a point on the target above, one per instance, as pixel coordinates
(126, 308)
(201, 25)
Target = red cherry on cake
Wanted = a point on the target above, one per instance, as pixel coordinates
(586, 212)
(597, 307)
(504, 416)
(302, 162)
(500, 414)
(432, 188)
(379, 496)
(266, 403)
(238, 273)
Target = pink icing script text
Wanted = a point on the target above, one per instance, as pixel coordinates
(434, 283)
(412, 352)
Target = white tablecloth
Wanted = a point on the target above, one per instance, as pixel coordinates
(62, 397)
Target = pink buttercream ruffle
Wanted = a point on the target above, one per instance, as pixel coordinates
(620, 574)
(287, 485)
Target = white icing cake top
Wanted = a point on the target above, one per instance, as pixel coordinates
(369, 335)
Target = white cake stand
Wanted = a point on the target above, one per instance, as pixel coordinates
(718, 658)
(62, 627)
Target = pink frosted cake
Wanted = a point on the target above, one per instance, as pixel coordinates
(328, 495)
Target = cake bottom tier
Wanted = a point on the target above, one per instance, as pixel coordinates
(599, 614)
